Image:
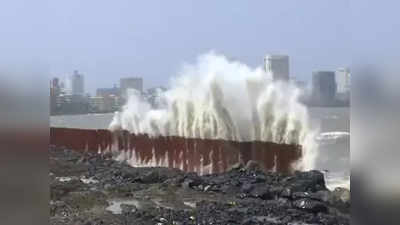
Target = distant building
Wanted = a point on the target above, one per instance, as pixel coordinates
(343, 84)
(135, 83)
(104, 92)
(100, 104)
(278, 66)
(73, 104)
(323, 87)
(343, 80)
(55, 91)
(77, 84)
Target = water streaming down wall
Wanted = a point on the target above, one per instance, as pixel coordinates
(203, 156)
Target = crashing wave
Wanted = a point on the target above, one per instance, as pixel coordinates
(332, 136)
(221, 99)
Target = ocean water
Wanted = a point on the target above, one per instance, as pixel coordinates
(333, 125)
(333, 144)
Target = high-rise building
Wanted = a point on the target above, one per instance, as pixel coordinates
(77, 84)
(104, 92)
(324, 86)
(278, 66)
(55, 91)
(128, 83)
(343, 84)
(343, 80)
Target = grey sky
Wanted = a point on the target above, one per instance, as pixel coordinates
(106, 40)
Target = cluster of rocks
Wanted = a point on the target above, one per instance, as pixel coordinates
(95, 189)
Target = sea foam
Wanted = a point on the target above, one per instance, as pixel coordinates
(216, 98)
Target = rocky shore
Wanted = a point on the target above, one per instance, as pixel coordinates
(91, 189)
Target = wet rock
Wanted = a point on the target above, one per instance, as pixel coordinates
(128, 173)
(260, 178)
(341, 199)
(310, 205)
(252, 165)
(299, 195)
(127, 208)
(309, 181)
(246, 188)
(236, 166)
(163, 220)
(150, 177)
(261, 191)
(286, 192)
(207, 188)
(239, 196)
(342, 194)
(175, 181)
(323, 196)
(275, 190)
(191, 180)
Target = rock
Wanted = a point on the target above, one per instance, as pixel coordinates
(175, 181)
(107, 186)
(299, 195)
(260, 191)
(188, 183)
(128, 173)
(252, 165)
(236, 166)
(150, 177)
(107, 155)
(163, 220)
(342, 194)
(191, 180)
(286, 193)
(310, 205)
(246, 188)
(323, 196)
(260, 178)
(275, 191)
(207, 188)
(240, 196)
(340, 199)
(127, 208)
(311, 180)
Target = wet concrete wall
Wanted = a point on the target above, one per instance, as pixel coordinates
(190, 154)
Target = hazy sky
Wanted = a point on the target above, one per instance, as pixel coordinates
(106, 40)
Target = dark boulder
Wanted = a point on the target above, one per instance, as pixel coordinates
(236, 166)
(252, 165)
(310, 205)
(191, 180)
(261, 191)
(311, 181)
(150, 177)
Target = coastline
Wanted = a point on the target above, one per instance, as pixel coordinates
(92, 188)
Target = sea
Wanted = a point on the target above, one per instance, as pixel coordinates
(333, 139)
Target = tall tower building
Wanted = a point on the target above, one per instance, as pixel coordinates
(131, 83)
(343, 80)
(77, 84)
(278, 66)
(324, 86)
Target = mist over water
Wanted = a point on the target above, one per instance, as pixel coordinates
(216, 98)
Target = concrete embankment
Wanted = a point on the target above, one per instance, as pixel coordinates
(203, 156)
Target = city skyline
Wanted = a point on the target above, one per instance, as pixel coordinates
(92, 90)
(117, 82)
(153, 39)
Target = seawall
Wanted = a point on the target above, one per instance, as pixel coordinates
(203, 156)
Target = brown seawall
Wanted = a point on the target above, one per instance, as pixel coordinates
(189, 154)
